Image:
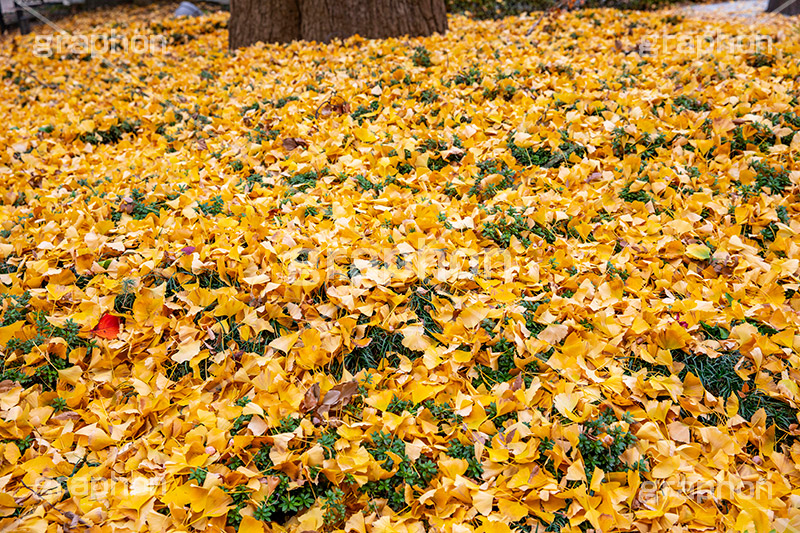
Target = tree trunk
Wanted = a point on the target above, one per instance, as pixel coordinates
(323, 20)
(269, 21)
(784, 7)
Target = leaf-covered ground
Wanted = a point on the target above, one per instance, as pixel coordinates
(484, 281)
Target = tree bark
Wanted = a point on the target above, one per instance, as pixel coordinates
(784, 7)
(269, 21)
(324, 20)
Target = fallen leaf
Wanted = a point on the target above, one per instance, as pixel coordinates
(108, 327)
(290, 143)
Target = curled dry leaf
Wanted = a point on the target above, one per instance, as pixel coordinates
(336, 399)
(594, 176)
(290, 143)
(335, 105)
(127, 205)
(310, 399)
(725, 266)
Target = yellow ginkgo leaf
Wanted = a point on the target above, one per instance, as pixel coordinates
(698, 251)
(473, 315)
(284, 343)
(414, 338)
(365, 135)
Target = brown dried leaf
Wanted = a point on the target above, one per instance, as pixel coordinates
(311, 399)
(127, 205)
(594, 176)
(340, 395)
(290, 143)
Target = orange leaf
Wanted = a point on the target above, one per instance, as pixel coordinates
(107, 327)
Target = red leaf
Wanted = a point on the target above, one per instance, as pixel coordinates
(108, 327)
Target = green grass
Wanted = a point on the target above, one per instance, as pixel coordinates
(719, 377)
(469, 76)
(599, 452)
(416, 474)
(488, 168)
(687, 103)
(215, 206)
(634, 196)
(761, 140)
(507, 369)
(543, 156)
(383, 350)
(458, 450)
(359, 114)
(113, 134)
(768, 177)
(514, 224)
(282, 101)
(421, 57)
(302, 181)
(428, 96)
(45, 373)
(138, 207)
(623, 144)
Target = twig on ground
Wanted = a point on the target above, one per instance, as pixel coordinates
(73, 518)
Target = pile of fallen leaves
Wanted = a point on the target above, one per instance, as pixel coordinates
(527, 276)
